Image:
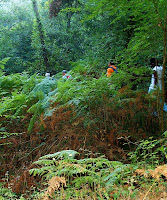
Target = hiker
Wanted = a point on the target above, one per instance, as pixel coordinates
(65, 75)
(111, 68)
(156, 79)
(47, 75)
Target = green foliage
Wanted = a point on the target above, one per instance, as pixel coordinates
(97, 173)
(127, 32)
(15, 36)
(7, 194)
(82, 38)
(98, 99)
(17, 82)
(23, 94)
(4, 135)
(99, 176)
(93, 94)
(43, 91)
(3, 62)
(150, 152)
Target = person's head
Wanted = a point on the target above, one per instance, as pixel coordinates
(111, 63)
(153, 62)
(64, 72)
(47, 74)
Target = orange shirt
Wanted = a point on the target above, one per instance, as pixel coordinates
(110, 70)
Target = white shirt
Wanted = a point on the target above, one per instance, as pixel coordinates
(66, 76)
(159, 70)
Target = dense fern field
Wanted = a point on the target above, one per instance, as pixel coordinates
(86, 138)
(98, 132)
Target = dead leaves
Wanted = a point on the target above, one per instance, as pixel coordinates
(156, 173)
(55, 183)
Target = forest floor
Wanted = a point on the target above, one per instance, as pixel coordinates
(25, 148)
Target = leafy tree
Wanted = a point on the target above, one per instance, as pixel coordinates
(41, 35)
(144, 36)
(16, 36)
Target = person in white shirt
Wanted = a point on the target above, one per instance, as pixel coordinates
(156, 79)
(47, 75)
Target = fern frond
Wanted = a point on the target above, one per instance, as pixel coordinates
(90, 172)
(54, 184)
(40, 171)
(45, 162)
(116, 164)
(70, 169)
(83, 180)
(6, 134)
(61, 155)
(32, 121)
(99, 162)
(119, 172)
(45, 86)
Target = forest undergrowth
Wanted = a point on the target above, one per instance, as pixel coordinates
(88, 138)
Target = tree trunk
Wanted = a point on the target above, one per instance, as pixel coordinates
(163, 74)
(69, 15)
(162, 95)
(41, 35)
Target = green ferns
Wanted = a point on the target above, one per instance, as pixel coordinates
(99, 174)
(150, 152)
(31, 96)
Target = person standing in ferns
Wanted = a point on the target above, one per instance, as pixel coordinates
(111, 68)
(65, 75)
(156, 79)
(47, 75)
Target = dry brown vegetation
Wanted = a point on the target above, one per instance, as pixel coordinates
(58, 132)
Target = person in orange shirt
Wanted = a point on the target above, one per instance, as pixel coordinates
(111, 68)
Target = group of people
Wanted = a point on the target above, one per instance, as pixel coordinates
(156, 79)
(65, 75)
(111, 68)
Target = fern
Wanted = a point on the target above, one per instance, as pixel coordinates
(95, 172)
(44, 92)
(119, 173)
(6, 193)
(3, 62)
(6, 135)
(45, 86)
(33, 95)
(61, 155)
(10, 83)
(150, 152)
(41, 171)
(83, 180)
